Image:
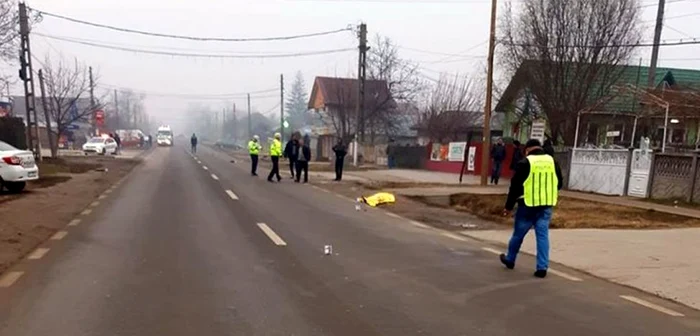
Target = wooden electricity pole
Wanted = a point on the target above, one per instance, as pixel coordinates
(486, 136)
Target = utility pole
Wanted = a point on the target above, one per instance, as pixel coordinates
(92, 102)
(361, 76)
(282, 107)
(657, 41)
(250, 123)
(47, 118)
(486, 136)
(234, 127)
(27, 75)
(116, 110)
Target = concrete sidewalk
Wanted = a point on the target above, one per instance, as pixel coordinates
(660, 262)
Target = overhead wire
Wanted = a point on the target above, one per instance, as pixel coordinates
(191, 38)
(181, 54)
(220, 96)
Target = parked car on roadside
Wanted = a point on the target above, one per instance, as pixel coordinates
(100, 145)
(16, 168)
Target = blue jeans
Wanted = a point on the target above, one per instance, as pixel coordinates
(526, 218)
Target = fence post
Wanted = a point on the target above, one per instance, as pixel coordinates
(628, 171)
(568, 173)
(652, 175)
(693, 173)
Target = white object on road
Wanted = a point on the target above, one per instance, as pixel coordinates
(16, 168)
(328, 250)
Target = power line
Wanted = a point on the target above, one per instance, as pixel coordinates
(192, 38)
(169, 53)
(639, 44)
(221, 96)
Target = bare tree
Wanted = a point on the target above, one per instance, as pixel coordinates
(67, 88)
(454, 105)
(9, 38)
(571, 52)
(130, 109)
(402, 79)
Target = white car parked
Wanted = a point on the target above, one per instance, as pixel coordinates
(16, 168)
(100, 145)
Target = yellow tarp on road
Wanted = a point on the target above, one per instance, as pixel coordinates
(379, 199)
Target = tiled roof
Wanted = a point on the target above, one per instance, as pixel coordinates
(343, 91)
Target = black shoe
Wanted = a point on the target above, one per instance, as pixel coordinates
(541, 273)
(504, 261)
(306, 181)
(270, 180)
(296, 181)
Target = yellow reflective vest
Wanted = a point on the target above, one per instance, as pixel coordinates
(276, 148)
(540, 187)
(254, 147)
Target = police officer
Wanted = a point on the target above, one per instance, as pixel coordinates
(275, 153)
(534, 187)
(254, 149)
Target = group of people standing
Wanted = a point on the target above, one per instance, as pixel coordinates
(298, 154)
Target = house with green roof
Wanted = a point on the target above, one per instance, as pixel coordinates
(619, 114)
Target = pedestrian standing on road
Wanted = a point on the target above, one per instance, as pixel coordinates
(290, 152)
(302, 161)
(534, 188)
(193, 141)
(254, 150)
(340, 151)
(498, 154)
(118, 140)
(141, 141)
(517, 155)
(275, 153)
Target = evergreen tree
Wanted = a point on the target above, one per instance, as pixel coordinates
(297, 104)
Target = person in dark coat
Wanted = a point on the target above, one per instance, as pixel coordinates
(517, 155)
(340, 151)
(303, 153)
(290, 152)
(498, 154)
(118, 140)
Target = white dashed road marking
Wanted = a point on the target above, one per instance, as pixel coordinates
(453, 236)
(102, 197)
(59, 235)
(651, 305)
(38, 253)
(205, 168)
(86, 212)
(419, 224)
(9, 278)
(391, 214)
(564, 275)
(74, 222)
(494, 251)
(214, 177)
(272, 235)
(231, 194)
(95, 203)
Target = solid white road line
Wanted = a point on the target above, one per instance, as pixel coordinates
(205, 168)
(419, 224)
(74, 222)
(492, 250)
(38, 253)
(214, 177)
(453, 236)
(231, 194)
(272, 235)
(86, 212)
(59, 235)
(564, 275)
(9, 278)
(651, 305)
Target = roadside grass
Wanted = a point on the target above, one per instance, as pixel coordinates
(576, 214)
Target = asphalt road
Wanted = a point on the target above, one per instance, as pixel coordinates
(171, 252)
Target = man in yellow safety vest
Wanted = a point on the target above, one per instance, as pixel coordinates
(275, 153)
(254, 150)
(534, 187)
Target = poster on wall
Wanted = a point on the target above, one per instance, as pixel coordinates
(435, 152)
(471, 158)
(444, 150)
(456, 151)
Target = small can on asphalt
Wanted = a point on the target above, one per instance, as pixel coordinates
(328, 250)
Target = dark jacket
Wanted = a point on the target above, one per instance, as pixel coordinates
(290, 150)
(522, 170)
(498, 153)
(193, 141)
(305, 150)
(340, 151)
(517, 157)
